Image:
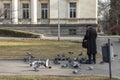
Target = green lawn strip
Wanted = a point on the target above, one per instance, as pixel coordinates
(31, 77)
(17, 49)
(16, 33)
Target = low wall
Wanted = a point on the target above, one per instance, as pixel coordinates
(49, 29)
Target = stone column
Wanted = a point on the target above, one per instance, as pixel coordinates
(33, 11)
(15, 11)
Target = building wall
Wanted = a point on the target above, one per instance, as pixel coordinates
(88, 9)
(86, 12)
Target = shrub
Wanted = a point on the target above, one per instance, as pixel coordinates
(115, 30)
(15, 33)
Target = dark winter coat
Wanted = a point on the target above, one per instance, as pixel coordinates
(91, 36)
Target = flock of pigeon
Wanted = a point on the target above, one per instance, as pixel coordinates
(69, 62)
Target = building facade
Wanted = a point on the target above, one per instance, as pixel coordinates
(66, 12)
(46, 11)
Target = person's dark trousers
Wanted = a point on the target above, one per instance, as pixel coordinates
(92, 58)
(89, 59)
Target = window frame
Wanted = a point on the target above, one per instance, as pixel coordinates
(25, 12)
(7, 13)
(44, 10)
(72, 10)
(72, 31)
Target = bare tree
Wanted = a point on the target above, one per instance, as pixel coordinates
(103, 15)
(114, 12)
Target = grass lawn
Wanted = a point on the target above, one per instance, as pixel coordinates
(17, 49)
(53, 78)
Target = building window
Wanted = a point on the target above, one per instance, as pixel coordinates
(7, 11)
(72, 31)
(72, 9)
(25, 11)
(44, 12)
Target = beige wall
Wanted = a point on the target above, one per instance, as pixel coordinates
(53, 8)
(85, 8)
(88, 8)
(63, 8)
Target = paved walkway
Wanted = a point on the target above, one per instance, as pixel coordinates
(76, 38)
(18, 67)
(72, 38)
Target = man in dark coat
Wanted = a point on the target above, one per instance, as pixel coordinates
(91, 36)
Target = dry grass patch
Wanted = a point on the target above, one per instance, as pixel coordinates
(54, 78)
(17, 49)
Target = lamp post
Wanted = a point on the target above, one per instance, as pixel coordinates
(110, 69)
(58, 21)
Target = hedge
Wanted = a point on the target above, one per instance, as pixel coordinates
(115, 30)
(15, 33)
